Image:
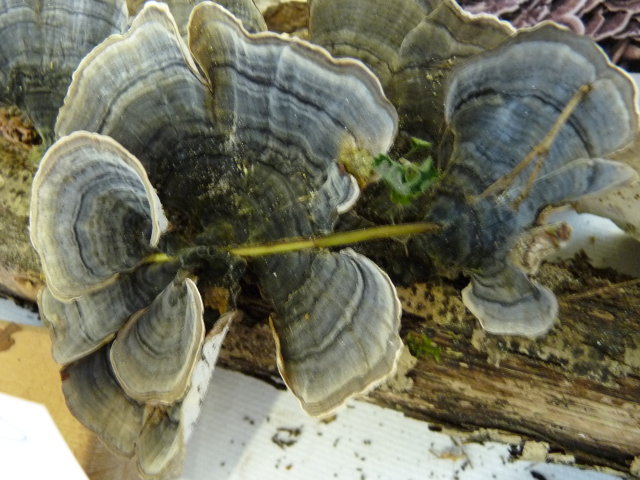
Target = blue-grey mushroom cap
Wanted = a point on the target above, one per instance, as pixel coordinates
(161, 446)
(147, 76)
(96, 399)
(93, 214)
(154, 354)
(411, 45)
(82, 325)
(96, 224)
(244, 10)
(288, 110)
(155, 436)
(500, 106)
(42, 43)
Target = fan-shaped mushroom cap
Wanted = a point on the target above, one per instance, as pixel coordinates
(277, 99)
(80, 326)
(160, 448)
(42, 43)
(153, 356)
(605, 120)
(411, 45)
(429, 53)
(148, 77)
(337, 334)
(254, 145)
(93, 214)
(370, 30)
(95, 398)
(506, 302)
(149, 66)
(489, 107)
(157, 438)
(245, 10)
(156, 435)
(501, 105)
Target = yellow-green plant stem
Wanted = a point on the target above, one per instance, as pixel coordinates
(332, 240)
(159, 258)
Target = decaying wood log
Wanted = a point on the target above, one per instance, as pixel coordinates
(19, 268)
(577, 388)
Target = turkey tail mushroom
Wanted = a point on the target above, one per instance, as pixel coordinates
(42, 43)
(247, 151)
(506, 302)
(370, 30)
(156, 436)
(529, 121)
(80, 326)
(96, 399)
(93, 214)
(337, 333)
(290, 110)
(281, 97)
(96, 223)
(154, 354)
(161, 446)
(429, 54)
(609, 89)
(411, 45)
(148, 76)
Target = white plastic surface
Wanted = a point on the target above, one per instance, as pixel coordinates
(31, 446)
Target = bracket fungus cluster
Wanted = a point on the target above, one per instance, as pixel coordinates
(179, 140)
(128, 329)
(166, 155)
(614, 23)
(504, 131)
(524, 119)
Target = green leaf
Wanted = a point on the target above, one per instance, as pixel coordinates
(406, 180)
